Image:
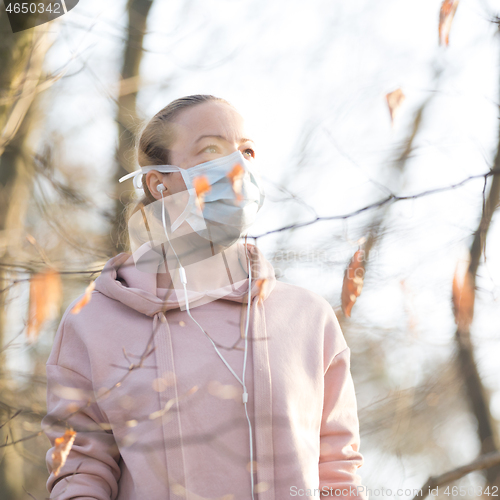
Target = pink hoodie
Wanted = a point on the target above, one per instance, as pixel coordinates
(173, 424)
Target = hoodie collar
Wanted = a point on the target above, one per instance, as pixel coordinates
(122, 281)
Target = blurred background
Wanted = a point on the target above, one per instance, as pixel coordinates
(377, 132)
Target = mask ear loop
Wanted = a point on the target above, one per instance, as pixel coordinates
(183, 278)
(138, 174)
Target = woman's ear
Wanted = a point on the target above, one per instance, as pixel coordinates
(154, 180)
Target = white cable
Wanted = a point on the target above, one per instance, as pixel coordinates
(244, 369)
(183, 277)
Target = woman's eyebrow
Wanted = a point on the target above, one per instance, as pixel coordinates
(243, 139)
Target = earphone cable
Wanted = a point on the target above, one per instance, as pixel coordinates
(183, 277)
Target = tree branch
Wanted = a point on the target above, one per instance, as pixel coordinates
(482, 462)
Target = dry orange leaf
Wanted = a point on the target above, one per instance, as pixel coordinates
(353, 281)
(62, 448)
(45, 300)
(236, 177)
(448, 9)
(394, 101)
(463, 300)
(262, 286)
(84, 300)
(201, 186)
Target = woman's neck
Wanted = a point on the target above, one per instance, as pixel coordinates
(222, 269)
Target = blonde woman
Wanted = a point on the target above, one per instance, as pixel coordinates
(192, 372)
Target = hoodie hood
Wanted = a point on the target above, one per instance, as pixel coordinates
(122, 281)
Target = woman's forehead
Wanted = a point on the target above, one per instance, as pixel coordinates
(212, 118)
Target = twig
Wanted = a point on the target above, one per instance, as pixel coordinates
(28, 493)
(482, 462)
(11, 418)
(390, 198)
(147, 352)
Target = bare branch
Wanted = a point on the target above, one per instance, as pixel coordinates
(482, 462)
(391, 198)
(11, 418)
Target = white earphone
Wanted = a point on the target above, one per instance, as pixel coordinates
(182, 272)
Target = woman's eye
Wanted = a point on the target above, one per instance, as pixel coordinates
(249, 151)
(211, 149)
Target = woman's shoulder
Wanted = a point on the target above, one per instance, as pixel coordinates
(302, 297)
(309, 312)
(300, 300)
(85, 326)
(84, 315)
(87, 308)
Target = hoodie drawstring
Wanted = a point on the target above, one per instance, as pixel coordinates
(263, 404)
(171, 420)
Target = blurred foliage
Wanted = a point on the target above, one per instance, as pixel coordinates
(405, 421)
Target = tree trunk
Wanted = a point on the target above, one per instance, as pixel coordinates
(127, 121)
(13, 206)
(21, 61)
(476, 392)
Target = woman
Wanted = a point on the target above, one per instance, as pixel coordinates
(180, 379)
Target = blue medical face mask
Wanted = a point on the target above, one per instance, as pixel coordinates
(227, 215)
